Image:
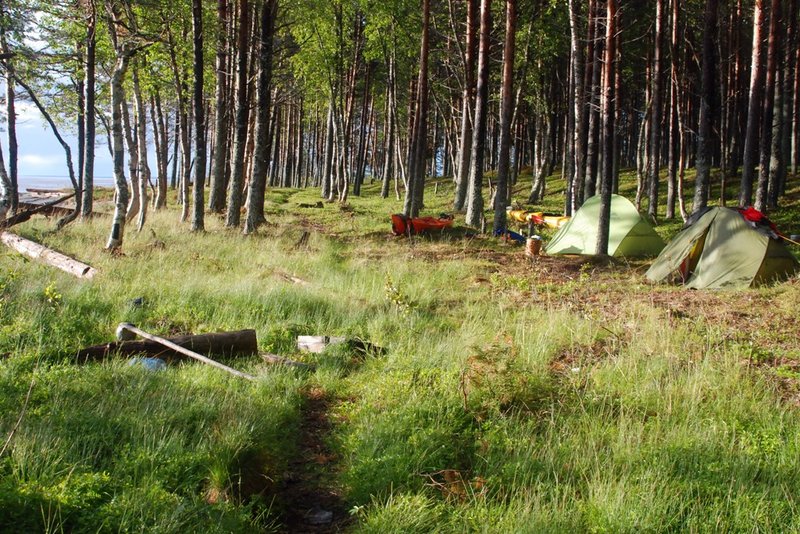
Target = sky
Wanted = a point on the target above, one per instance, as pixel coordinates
(42, 162)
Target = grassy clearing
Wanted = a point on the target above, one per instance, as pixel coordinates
(508, 396)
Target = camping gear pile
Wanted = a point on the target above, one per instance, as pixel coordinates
(718, 247)
(402, 225)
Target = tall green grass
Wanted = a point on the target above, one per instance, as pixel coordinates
(497, 397)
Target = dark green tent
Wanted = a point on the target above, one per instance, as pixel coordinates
(721, 249)
(630, 234)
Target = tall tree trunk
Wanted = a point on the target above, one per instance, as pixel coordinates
(655, 110)
(593, 92)
(475, 180)
(11, 122)
(789, 77)
(674, 134)
(216, 195)
(391, 126)
(506, 110)
(233, 215)
(90, 130)
(143, 166)
(707, 92)
(765, 144)
(327, 164)
(256, 191)
(133, 160)
(579, 104)
(198, 224)
(124, 54)
(754, 108)
(416, 161)
(608, 128)
(5, 187)
(467, 106)
(162, 148)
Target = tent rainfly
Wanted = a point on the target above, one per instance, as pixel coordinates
(721, 248)
(630, 234)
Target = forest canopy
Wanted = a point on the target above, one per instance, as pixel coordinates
(235, 97)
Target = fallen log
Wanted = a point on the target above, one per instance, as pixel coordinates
(26, 215)
(238, 343)
(123, 327)
(49, 256)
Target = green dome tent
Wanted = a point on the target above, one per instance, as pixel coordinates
(629, 234)
(722, 249)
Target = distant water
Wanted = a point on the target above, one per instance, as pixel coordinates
(57, 182)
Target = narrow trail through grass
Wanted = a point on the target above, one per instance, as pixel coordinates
(314, 501)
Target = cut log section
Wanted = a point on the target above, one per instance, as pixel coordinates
(47, 255)
(317, 344)
(238, 343)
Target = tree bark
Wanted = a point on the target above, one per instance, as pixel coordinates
(198, 223)
(216, 200)
(475, 180)
(124, 54)
(767, 114)
(233, 215)
(90, 130)
(418, 145)
(49, 256)
(655, 110)
(256, 191)
(143, 167)
(506, 110)
(579, 104)
(608, 128)
(707, 103)
(754, 108)
(11, 122)
(467, 106)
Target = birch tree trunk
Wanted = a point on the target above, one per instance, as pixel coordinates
(141, 142)
(124, 54)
